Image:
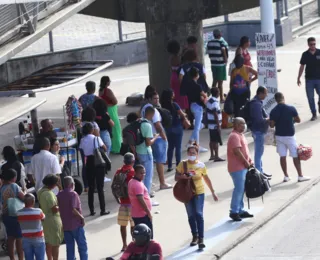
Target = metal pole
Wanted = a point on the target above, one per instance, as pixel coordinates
(226, 18)
(279, 9)
(301, 13)
(267, 17)
(51, 41)
(286, 7)
(34, 118)
(120, 31)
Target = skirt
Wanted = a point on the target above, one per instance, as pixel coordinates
(116, 129)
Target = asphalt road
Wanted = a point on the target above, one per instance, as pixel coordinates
(294, 234)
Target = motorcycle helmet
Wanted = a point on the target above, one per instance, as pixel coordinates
(141, 234)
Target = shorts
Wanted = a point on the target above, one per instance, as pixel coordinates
(124, 216)
(159, 150)
(12, 226)
(219, 72)
(215, 136)
(285, 143)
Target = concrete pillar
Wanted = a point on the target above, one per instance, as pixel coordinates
(267, 17)
(158, 35)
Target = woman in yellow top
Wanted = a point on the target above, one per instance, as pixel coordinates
(240, 83)
(197, 171)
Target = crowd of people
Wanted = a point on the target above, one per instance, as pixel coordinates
(189, 103)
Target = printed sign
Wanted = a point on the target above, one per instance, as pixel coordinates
(267, 66)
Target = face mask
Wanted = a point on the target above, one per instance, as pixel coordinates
(192, 158)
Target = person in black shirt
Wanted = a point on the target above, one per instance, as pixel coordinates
(104, 122)
(46, 132)
(311, 61)
(196, 97)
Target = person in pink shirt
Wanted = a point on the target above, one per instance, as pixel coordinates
(238, 163)
(140, 200)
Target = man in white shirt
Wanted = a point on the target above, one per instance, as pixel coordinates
(160, 147)
(214, 124)
(43, 164)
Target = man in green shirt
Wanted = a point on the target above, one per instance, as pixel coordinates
(144, 150)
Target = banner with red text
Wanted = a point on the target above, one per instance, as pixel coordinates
(267, 66)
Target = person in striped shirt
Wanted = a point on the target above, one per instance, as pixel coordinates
(31, 226)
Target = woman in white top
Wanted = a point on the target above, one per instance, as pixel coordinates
(95, 175)
(12, 162)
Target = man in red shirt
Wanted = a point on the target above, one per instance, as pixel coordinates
(124, 215)
(142, 247)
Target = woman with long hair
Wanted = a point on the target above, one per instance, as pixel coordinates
(9, 190)
(243, 50)
(108, 96)
(173, 48)
(198, 172)
(175, 131)
(104, 122)
(12, 162)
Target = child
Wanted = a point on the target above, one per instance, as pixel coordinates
(214, 124)
(32, 233)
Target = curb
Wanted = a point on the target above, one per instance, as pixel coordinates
(228, 248)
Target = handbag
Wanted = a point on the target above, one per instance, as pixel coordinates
(304, 152)
(101, 159)
(184, 189)
(14, 205)
(270, 138)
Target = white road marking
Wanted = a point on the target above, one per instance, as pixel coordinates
(216, 234)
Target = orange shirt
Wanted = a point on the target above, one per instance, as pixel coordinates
(237, 140)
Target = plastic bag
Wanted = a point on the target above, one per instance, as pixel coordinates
(14, 205)
(270, 138)
(304, 152)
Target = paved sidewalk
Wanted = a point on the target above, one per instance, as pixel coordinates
(171, 226)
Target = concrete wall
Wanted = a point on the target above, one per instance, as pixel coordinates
(123, 54)
(128, 52)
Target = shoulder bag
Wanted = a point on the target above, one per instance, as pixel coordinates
(184, 189)
(100, 157)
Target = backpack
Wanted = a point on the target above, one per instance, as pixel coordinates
(228, 107)
(132, 133)
(119, 186)
(255, 185)
(245, 113)
(166, 117)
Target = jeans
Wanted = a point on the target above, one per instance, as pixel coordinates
(174, 136)
(197, 111)
(147, 161)
(105, 136)
(144, 220)
(258, 149)
(311, 86)
(239, 179)
(159, 150)
(34, 248)
(77, 235)
(95, 177)
(195, 215)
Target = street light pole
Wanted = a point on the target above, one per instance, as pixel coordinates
(267, 17)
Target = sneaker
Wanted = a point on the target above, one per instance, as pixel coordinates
(103, 213)
(235, 217)
(313, 118)
(155, 203)
(201, 245)
(152, 194)
(202, 149)
(268, 176)
(286, 179)
(194, 241)
(245, 214)
(303, 178)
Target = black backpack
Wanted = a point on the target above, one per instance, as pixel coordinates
(134, 131)
(166, 117)
(255, 185)
(245, 113)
